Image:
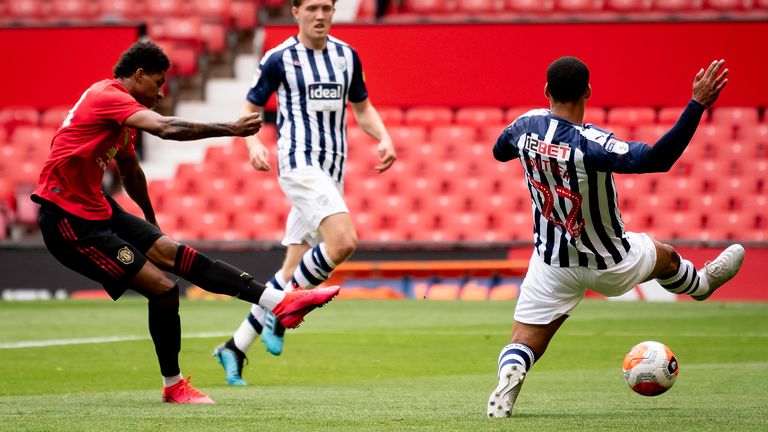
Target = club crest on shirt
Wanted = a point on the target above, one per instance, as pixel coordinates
(341, 64)
(125, 255)
(615, 146)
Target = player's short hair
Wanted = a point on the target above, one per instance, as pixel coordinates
(297, 3)
(567, 79)
(142, 54)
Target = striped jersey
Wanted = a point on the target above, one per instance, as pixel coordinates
(313, 88)
(568, 169)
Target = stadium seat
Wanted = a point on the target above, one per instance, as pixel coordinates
(631, 117)
(669, 115)
(480, 116)
(24, 10)
(121, 10)
(619, 131)
(164, 8)
(406, 137)
(245, 14)
(13, 116)
(480, 6)
(513, 113)
(214, 34)
(735, 116)
(649, 133)
(391, 116)
(629, 5)
(82, 10)
(594, 115)
(677, 5)
(429, 6)
(707, 204)
(531, 6)
(729, 5)
(219, 9)
(53, 117)
(428, 116)
(453, 134)
(184, 58)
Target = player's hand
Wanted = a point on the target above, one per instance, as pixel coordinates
(386, 154)
(247, 125)
(259, 156)
(708, 84)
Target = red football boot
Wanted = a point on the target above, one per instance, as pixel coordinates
(182, 392)
(298, 303)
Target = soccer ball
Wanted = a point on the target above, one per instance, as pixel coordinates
(650, 368)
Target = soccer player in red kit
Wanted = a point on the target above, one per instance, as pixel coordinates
(91, 234)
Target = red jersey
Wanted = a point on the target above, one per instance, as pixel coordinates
(90, 137)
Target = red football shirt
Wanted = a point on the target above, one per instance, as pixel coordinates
(90, 137)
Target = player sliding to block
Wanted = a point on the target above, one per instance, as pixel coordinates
(92, 235)
(580, 238)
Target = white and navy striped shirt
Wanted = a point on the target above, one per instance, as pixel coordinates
(568, 169)
(313, 88)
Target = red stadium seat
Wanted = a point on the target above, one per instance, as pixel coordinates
(391, 116)
(120, 10)
(531, 6)
(629, 5)
(649, 133)
(631, 116)
(163, 8)
(13, 116)
(26, 9)
(427, 116)
(707, 204)
(219, 9)
(184, 58)
(53, 117)
(214, 33)
(580, 5)
(594, 115)
(480, 6)
(513, 113)
(619, 131)
(729, 5)
(447, 135)
(462, 226)
(84, 10)
(757, 134)
(669, 115)
(429, 6)
(480, 116)
(735, 116)
(245, 14)
(677, 5)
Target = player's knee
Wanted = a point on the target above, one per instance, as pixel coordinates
(342, 247)
(166, 299)
(668, 261)
(163, 253)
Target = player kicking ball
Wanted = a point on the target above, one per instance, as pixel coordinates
(580, 237)
(92, 235)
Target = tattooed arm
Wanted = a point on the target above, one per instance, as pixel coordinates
(180, 129)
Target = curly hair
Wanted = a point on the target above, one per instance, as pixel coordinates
(567, 79)
(142, 54)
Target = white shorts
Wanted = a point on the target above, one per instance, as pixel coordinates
(547, 292)
(314, 196)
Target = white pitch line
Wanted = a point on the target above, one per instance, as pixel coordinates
(97, 340)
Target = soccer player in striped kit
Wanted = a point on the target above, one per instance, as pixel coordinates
(314, 75)
(579, 236)
(91, 234)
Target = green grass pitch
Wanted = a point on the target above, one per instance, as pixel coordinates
(381, 366)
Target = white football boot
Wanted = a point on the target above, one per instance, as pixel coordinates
(504, 395)
(721, 269)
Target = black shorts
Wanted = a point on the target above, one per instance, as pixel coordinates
(110, 251)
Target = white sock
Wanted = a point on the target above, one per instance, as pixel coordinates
(169, 381)
(314, 268)
(271, 298)
(686, 281)
(249, 330)
(516, 353)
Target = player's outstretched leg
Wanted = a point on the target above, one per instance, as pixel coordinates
(231, 359)
(273, 335)
(720, 270)
(298, 303)
(183, 393)
(514, 361)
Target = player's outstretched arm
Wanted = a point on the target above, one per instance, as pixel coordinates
(708, 84)
(370, 122)
(180, 129)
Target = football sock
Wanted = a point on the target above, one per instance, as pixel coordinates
(221, 278)
(314, 268)
(165, 329)
(169, 381)
(686, 281)
(516, 353)
(249, 329)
